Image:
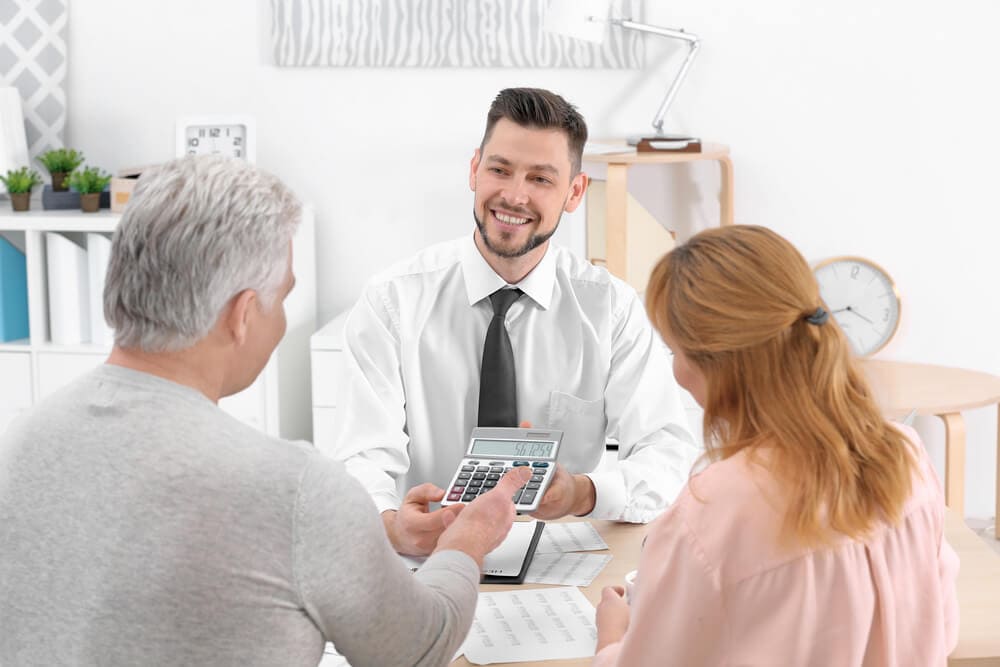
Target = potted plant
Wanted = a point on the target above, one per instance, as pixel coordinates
(60, 162)
(19, 183)
(90, 183)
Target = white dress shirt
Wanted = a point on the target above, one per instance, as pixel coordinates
(587, 362)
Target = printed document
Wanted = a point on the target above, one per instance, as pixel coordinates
(529, 625)
(565, 537)
(568, 569)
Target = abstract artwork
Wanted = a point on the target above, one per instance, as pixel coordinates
(440, 33)
(33, 60)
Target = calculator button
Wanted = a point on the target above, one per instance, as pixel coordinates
(489, 484)
(517, 496)
(464, 475)
(473, 463)
(475, 484)
(493, 476)
(454, 496)
(506, 469)
(540, 464)
(468, 468)
(521, 463)
(458, 488)
(483, 469)
(537, 478)
(498, 468)
(496, 463)
(478, 475)
(528, 497)
(461, 482)
(468, 498)
(534, 485)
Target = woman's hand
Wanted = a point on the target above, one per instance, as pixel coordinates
(612, 616)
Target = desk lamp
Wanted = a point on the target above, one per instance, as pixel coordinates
(586, 20)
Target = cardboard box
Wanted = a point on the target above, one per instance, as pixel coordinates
(122, 186)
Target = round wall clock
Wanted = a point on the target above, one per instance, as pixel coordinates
(862, 297)
(232, 136)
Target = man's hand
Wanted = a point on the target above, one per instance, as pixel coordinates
(413, 529)
(485, 522)
(567, 494)
(612, 616)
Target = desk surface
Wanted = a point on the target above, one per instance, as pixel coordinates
(901, 386)
(708, 152)
(978, 589)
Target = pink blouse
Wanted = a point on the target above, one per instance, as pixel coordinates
(714, 587)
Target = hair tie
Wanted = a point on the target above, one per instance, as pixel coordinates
(819, 317)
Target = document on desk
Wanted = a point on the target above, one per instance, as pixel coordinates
(531, 625)
(567, 569)
(566, 537)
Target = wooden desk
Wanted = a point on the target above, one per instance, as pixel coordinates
(615, 217)
(978, 590)
(901, 387)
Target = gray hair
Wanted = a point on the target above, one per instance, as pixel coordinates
(196, 232)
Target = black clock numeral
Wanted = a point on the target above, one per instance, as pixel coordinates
(215, 132)
(193, 141)
(237, 141)
(237, 153)
(854, 271)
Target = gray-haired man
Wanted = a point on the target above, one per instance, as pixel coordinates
(141, 524)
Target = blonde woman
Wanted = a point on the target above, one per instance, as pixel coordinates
(814, 534)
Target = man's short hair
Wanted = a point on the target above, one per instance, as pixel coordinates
(541, 109)
(196, 232)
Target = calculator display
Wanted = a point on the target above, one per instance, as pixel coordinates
(512, 448)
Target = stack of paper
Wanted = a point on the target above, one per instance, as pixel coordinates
(555, 561)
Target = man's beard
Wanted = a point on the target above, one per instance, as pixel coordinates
(533, 242)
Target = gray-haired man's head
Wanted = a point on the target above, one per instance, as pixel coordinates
(197, 231)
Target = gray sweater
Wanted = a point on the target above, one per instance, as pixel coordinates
(141, 524)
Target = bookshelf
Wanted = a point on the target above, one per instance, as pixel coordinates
(32, 368)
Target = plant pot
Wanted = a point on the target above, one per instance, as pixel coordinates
(90, 202)
(59, 183)
(20, 201)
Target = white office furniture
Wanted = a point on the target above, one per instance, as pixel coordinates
(32, 368)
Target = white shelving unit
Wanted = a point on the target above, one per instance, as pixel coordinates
(32, 368)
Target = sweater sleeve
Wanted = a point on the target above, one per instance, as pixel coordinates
(678, 608)
(357, 590)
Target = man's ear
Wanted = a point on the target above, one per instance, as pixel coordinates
(241, 307)
(473, 167)
(577, 188)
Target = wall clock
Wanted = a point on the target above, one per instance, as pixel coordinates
(863, 298)
(229, 135)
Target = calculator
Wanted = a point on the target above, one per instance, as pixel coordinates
(494, 451)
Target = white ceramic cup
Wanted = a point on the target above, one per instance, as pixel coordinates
(630, 586)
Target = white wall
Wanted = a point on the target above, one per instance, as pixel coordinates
(860, 127)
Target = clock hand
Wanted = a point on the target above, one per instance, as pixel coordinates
(851, 310)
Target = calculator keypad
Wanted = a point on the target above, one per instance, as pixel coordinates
(477, 477)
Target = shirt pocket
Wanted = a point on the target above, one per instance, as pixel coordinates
(584, 428)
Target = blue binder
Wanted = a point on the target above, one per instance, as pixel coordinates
(13, 293)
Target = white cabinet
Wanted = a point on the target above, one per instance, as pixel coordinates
(30, 369)
(329, 373)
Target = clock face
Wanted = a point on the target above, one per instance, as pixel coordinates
(862, 298)
(229, 135)
(228, 140)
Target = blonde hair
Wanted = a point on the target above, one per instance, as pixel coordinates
(736, 301)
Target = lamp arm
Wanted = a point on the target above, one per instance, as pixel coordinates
(694, 44)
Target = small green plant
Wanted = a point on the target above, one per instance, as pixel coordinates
(61, 160)
(89, 180)
(21, 180)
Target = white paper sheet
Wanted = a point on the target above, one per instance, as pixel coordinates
(566, 537)
(530, 625)
(568, 569)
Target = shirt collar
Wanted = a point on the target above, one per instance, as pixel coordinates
(481, 280)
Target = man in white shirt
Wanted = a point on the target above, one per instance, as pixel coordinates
(586, 360)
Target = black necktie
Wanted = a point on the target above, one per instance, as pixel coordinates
(497, 389)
